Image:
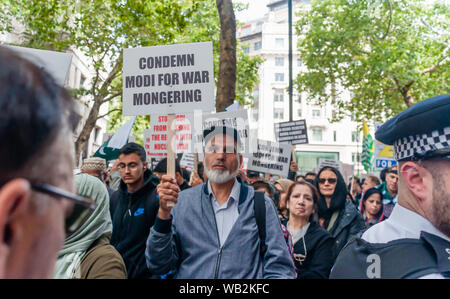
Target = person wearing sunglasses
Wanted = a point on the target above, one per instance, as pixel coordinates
(414, 241)
(36, 169)
(87, 252)
(337, 214)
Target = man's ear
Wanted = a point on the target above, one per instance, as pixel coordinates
(14, 200)
(415, 178)
(145, 165)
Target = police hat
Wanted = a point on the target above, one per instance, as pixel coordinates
(421, 131)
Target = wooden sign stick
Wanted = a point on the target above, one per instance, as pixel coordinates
(170, 148)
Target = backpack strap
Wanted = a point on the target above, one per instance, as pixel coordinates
(260, 216)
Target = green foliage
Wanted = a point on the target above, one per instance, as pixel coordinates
(100, 30)
(387, 54)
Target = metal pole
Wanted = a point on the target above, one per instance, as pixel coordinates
(290, 59)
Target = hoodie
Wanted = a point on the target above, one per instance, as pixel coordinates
(133, 216)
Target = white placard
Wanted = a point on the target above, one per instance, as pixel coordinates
(187, 161)
(155, 138)
(234, 119)
(56, 64)
(168, 79)
(329, 162)
(271, 157)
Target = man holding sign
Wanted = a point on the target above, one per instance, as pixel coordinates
(211, 231)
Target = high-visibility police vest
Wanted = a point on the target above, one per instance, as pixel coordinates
(402, 258)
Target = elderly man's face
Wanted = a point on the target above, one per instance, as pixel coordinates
(221, 160)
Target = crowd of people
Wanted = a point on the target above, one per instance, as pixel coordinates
(130, 221)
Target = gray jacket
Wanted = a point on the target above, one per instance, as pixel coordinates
(189, 242)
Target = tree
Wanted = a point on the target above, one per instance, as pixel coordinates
(226, 87)
(102, 29)
(389, 54)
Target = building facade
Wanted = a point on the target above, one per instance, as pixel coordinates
(269, 38)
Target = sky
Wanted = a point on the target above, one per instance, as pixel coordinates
(256, 9)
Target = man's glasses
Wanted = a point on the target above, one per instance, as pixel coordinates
(81, 211)
(330, 180)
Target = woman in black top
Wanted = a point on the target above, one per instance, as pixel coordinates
(313, 246)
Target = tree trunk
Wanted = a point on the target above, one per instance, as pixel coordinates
(89, 125)
(227, 64)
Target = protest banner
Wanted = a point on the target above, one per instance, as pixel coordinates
(168, 79)
(56, 64)
(155, 138)
(293, 132)
(237, 119)
(270, 157)
(384, 154)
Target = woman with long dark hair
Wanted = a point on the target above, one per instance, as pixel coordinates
(372, 207)
(313, 246)
(336, 214)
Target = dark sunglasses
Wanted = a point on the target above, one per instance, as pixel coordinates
(82, 209)
(331, 181)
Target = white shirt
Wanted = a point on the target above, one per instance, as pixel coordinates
(402, 223)
(226, 214)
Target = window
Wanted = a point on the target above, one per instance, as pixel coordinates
(299, 112)
(279, 77)
(279, 61)
(246, 49)
(299, 62)
(279, 42)
(257, 45)
(259, 27)
(317, 134)
(278, 113)
(333, 114)
(316, 113)
(82, 80)
(278, 95)
(299, 98)
(355, 136)
(356, 157)
(334, 136)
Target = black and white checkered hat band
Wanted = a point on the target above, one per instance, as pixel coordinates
(406, 147)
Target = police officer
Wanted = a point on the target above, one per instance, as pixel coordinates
(415, 241)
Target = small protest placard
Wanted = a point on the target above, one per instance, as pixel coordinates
(237, 119)
(156, 140)
(329, 162)
(168, 79)
(270, 157)
(187, 161)
(384, 154)
(294, 132)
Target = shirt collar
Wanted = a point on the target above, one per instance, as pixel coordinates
(235, 191)
(415, 222)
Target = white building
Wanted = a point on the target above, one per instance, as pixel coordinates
(269, 37)
(79, 75)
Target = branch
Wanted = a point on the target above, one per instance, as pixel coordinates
(115, 95)
(390, 21)
(109, 112)
(439, 63)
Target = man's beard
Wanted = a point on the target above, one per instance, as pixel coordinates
(441, 205)
(221, 176)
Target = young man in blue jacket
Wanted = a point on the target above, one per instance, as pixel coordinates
(211, 232)
(134, 206)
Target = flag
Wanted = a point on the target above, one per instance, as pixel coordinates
(368, 148)
(110, 149)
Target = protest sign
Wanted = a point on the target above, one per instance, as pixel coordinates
(329, 162)
(156, 138)
(234, 119)
(270, 157)
(56, 64)
(188, 161)
(384, 154)
(294, 132)
(168, 79)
